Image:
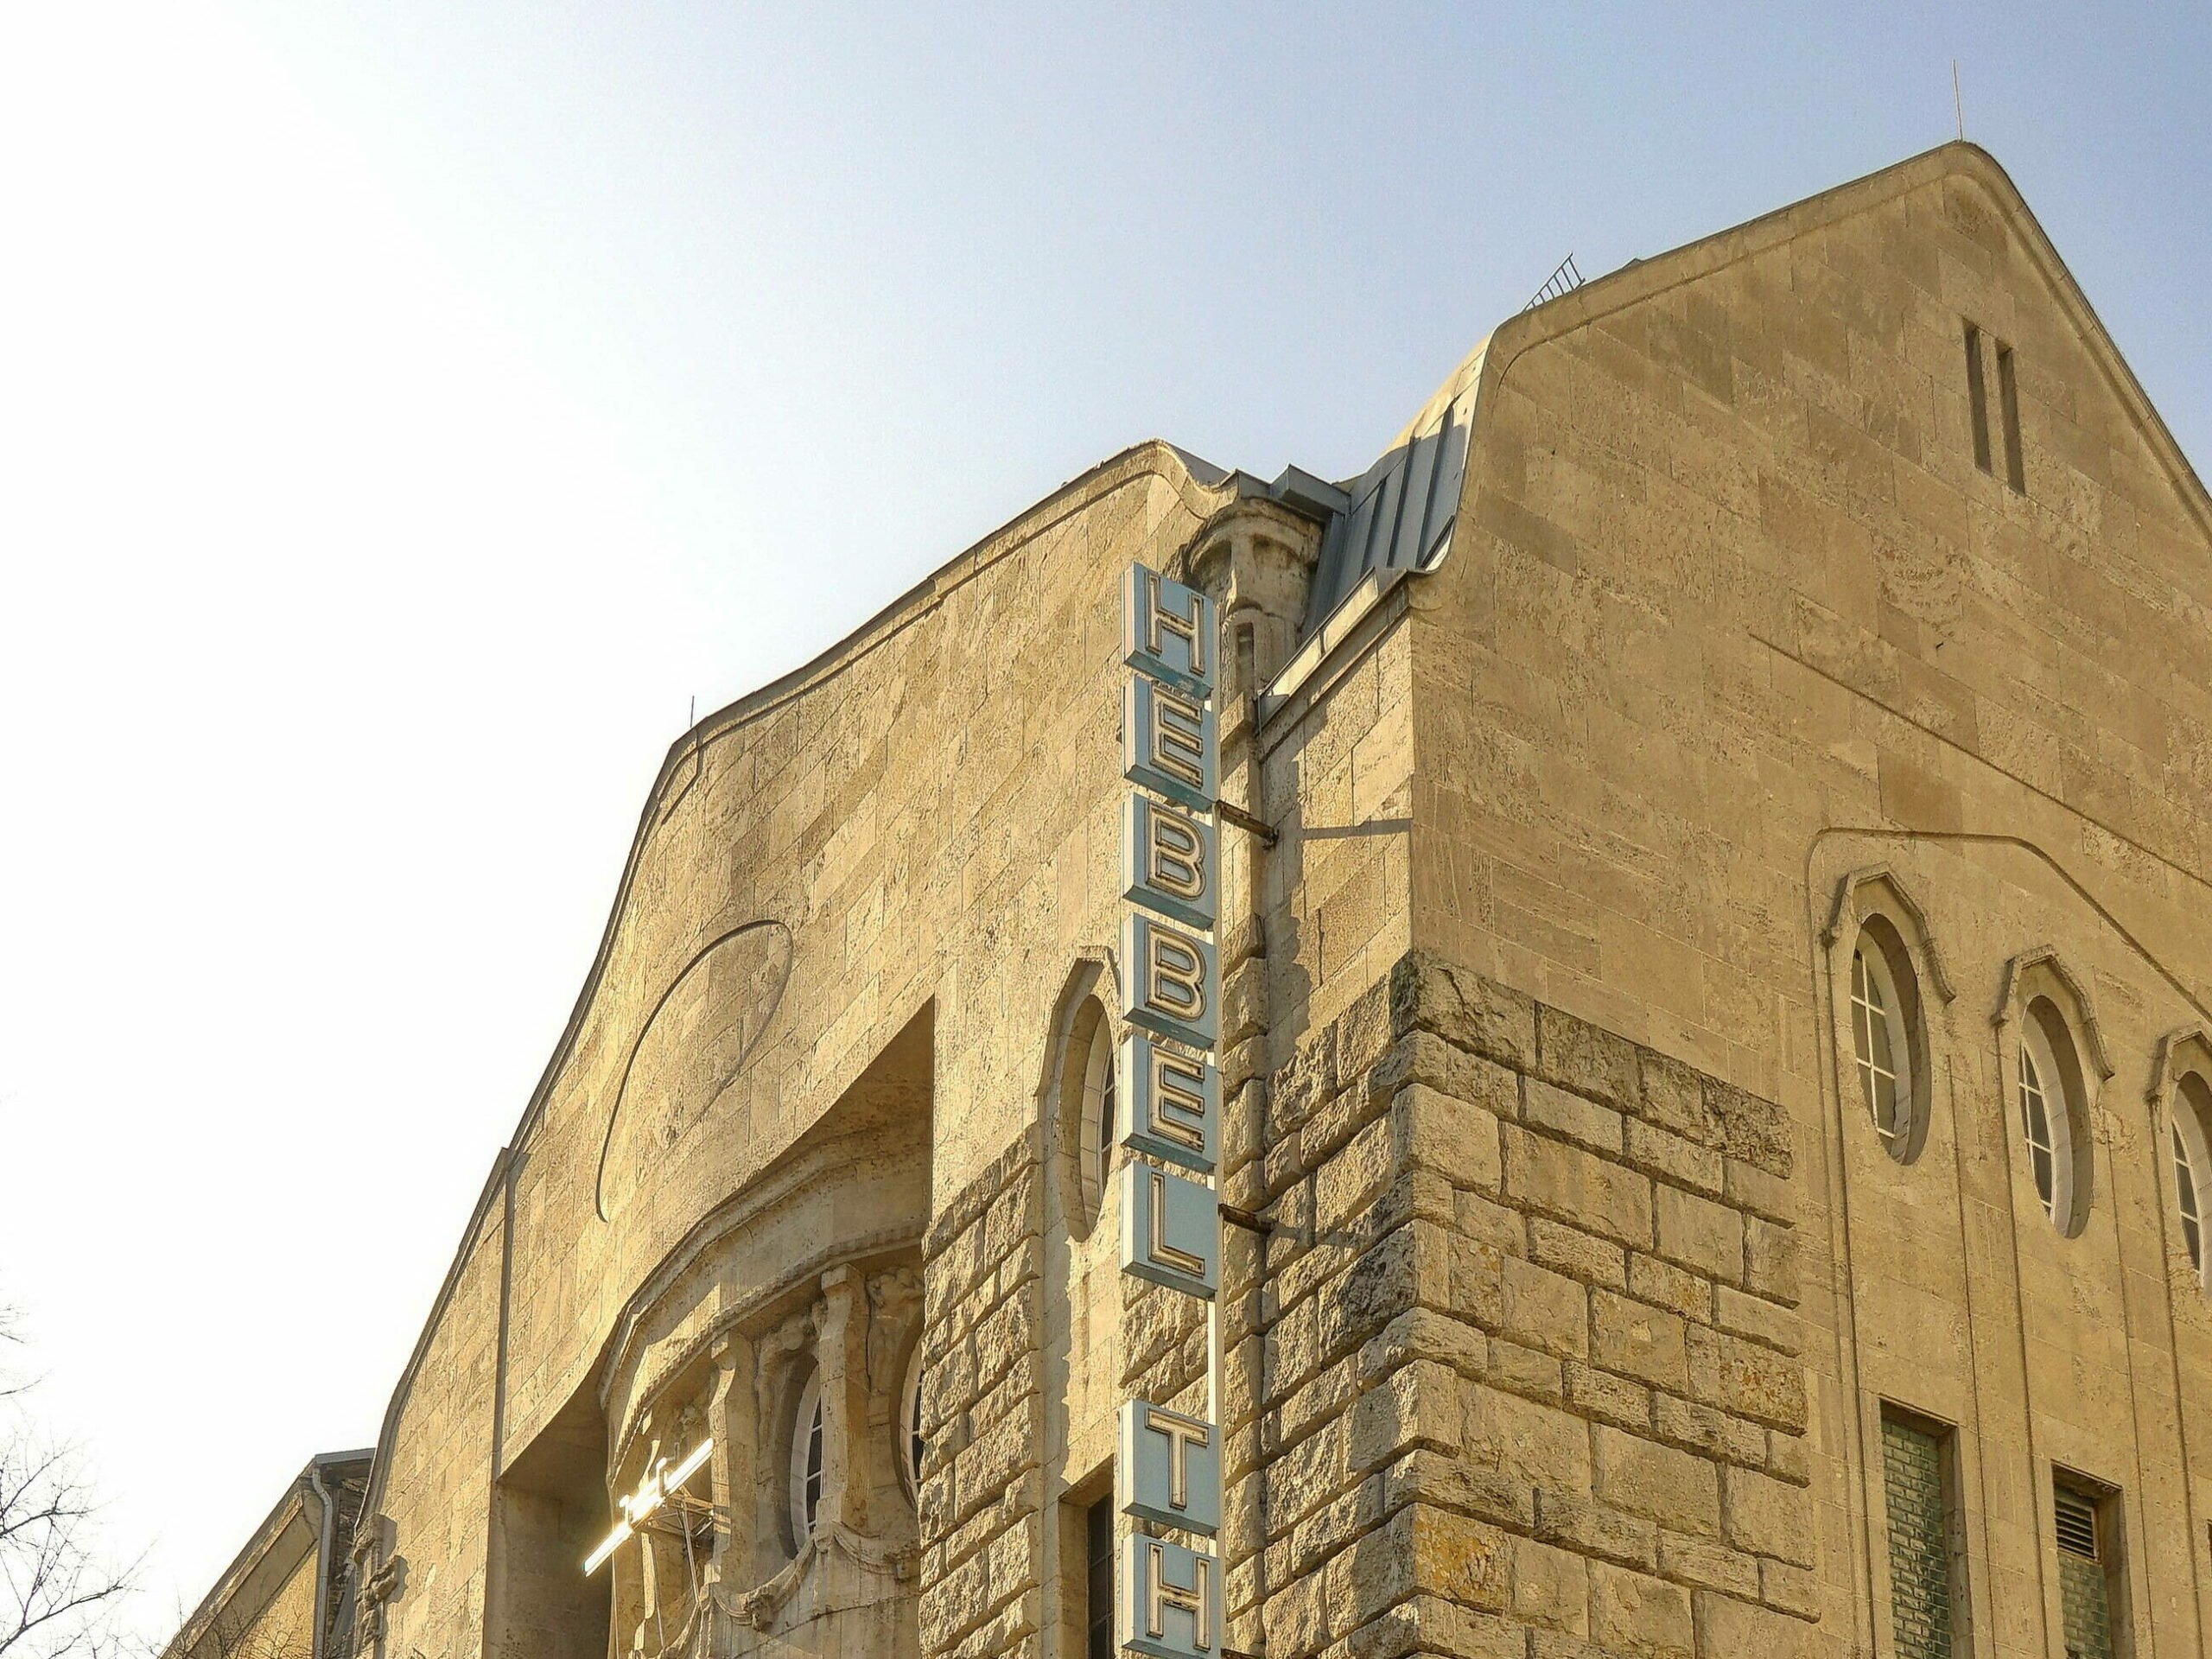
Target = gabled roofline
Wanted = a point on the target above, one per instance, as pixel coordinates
(256, 1549)
(1602, 296)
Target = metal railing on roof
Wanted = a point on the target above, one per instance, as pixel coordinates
(1565, 280)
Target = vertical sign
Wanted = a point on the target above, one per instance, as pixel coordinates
(1168, 1474)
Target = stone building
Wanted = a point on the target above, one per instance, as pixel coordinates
(1716, 1067)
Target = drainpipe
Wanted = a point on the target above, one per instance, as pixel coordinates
(321, 1558)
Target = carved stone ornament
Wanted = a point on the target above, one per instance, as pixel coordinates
(892, 1298)
(757, 1608)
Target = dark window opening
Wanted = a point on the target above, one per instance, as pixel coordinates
(2008, 399)
(1106, 1125)
(1977, 399)
(1098, 1581)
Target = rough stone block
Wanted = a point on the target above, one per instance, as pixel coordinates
(1698, 1233)
(1537, 1444)
(1662, 1152)
(1744, 1315)
(1424, 1334)
(1707, 1430)
(1577, 1055)
(1417, 1407)
(1456, 1483)
(1543, 1309)
(1767, 1517)
(1702, 1563)
(1456, 1138)
(1463, 1007)
(1728, 1626)
(1607, 1398)
(1525, 1371)
(1570, 1250)
(1793, 1589)
(1571, 1117)
(1551, 1587)
(1744, 1378)
(1578, 1521)
(1422, 1551)
(1352, 1178)
(1770, 1262)
(1674, 1098)
(1676, 1288)
(1757, 1131)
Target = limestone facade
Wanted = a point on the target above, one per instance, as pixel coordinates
(1822, 622)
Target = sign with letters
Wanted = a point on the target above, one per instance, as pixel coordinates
(1171, 1231)
(1174, 1104)
(1171, 862)
(1168, 1477)
(1174, 1465)
(1171, 980)
(1171, 743)
(1171, 1600)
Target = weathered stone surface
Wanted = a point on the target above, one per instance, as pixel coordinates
(1467, 1009)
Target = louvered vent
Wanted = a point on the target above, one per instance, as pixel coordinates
(2077, 1525)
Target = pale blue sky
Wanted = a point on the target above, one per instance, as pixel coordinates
(406, 408)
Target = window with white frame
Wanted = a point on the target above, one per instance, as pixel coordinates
(2051, 1111)
(910, 1444)
(2192, 1164)
(807, 1453)
(1087, 1107)
(1884, 1011)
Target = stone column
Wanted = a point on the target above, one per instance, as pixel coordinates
(735, 1425)
(842, 1354)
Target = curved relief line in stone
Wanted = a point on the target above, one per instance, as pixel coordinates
(774, 1001)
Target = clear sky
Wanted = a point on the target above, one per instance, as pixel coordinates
(407, 407)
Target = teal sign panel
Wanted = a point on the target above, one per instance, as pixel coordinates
(1170, 1468)
(1171, 1231)
(1173, 1108)
(1168, 631)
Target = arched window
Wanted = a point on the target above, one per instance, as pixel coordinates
(1887, 1037)
(806, 1461)
(909, 1425)
(2053, 1115)
(2192, 1154)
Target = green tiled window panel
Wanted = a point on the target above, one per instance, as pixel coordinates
(1919, 1542)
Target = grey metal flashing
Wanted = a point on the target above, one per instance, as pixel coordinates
(1400, 513)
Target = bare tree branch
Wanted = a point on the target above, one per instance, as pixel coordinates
(58, 1589)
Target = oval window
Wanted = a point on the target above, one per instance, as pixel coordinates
(806, 1461)
(1885, 1039)
(1087, 1107)
(909, 1425)
(2053, 1116)
(2192, 1155)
